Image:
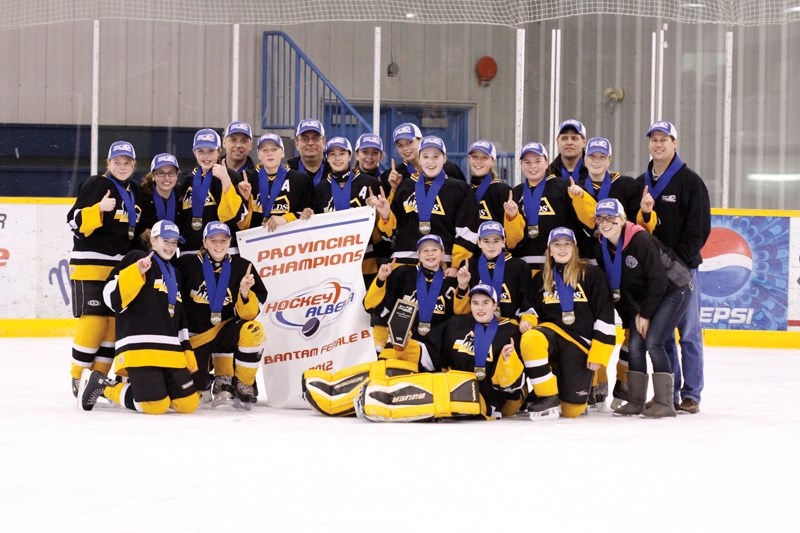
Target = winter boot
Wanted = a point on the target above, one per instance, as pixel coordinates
(545, 408)
(91, 388)
(663, 383)
(620, 394)
(637, 391)
(223, 390)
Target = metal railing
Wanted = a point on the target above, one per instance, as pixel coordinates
(293, 88)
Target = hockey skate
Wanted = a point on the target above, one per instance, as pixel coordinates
(91, 388)
(620, 394)
(245, 396)
(546, 408)
(76, 385)
(597, 397)
(222, 390)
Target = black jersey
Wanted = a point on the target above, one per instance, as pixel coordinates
(296, 194)
(490, 204)
(226, 207)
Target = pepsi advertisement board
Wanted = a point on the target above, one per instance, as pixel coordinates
(744, 277)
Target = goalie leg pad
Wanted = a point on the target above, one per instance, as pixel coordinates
(423, 396)
(333, 394)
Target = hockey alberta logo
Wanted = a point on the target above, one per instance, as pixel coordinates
(311, 309)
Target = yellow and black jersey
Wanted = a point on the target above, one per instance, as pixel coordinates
(101, 240)
(402, 284)
(593, 329)
(196, 295)
(515, 294)
(147, 335)
(454, 218)
(296, 193)
(490, 204)
(360, 189)
(451, 346)
(556, 209)
(226, 207)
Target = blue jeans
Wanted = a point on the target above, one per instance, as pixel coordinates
(662, 327)
(688, 369)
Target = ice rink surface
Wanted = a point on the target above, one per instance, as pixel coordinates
(734, 466)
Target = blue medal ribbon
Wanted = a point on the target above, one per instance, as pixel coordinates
(673, 168)
(484, 335)
(201, 184)
(317, 175)
(168, 273)
(605, 187)
(613, 267)
(269, 190)
(566, 294)
(165, 209)
(128, 200)
(217, 290)
(576, 172)
(532, 200)
(483, 187)
(426, 200)
(412, 170)
(495, 279)
(341, 194)
(428, 296)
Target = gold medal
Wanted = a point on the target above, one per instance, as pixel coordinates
(130, 233)
(424, 328)
(533, 232)
(568, 318)
(480, 373)
(216, 318)
(171, 309)
(615, 294)
(197, 223)
(424, 227)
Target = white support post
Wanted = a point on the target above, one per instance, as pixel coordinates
(95, 135)
(552, 127)
(661, 47)
(554, 132)
(653, 63)
(376, 84)
(520, 103)
(727, 123)
(235, 75)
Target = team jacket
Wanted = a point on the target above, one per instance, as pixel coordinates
(100, 240)
(402, 283)
(149, 213)
(555, 209)
(297, 193)
(451, 346)
(490, 207)
(625, 189)
(593, 330)
(146, 334)
(649, 271)
(682, 215)
(450, 168)
(557, 168)
(227, 207)
(514, 299)
(195, 295)
(294, 164)
(454, 218)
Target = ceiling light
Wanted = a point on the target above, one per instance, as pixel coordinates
(410, 15)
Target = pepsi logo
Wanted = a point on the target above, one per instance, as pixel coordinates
(727, 263)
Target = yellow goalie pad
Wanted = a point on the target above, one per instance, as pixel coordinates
(333, 394)
(420, 397)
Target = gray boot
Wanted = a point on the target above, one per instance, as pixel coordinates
(637, 391)
(663, 383)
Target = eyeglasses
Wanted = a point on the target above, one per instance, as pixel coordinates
(608, 219)
(308, 139)
(165, 174)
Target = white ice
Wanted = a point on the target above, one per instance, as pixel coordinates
(731, 467)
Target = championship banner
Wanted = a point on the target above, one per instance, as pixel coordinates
(314, 316)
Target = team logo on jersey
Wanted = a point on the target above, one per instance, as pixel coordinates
(121, 214)
(309, 310)
(483, 211)
(281, 205)
(552, 297)
(631, 262)
(161, 286)
(440, 302)
(187, 200)
(544, 207)
(410, 205)
(200, 295)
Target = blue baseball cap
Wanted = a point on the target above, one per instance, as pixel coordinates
(483, 288)
(166, 230)
(239, 127)
(609, 206)
(491, 227)
(121, 148)
(598, 145)
(270, 138)
(206, 138)
(430, 237)
(215, 227)
(309, 124)
(561, 233)
(163, 160)
(431, 141)
(664, 127)
(534, 148)
(483, 146)
(338, 142)
(406, 130)
(573, 124)
(369, 140)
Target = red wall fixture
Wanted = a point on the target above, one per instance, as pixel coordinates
(486, 69)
